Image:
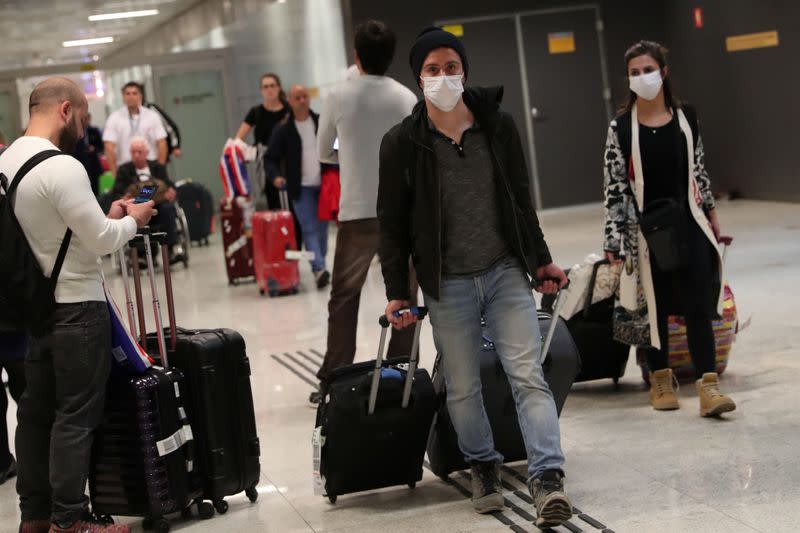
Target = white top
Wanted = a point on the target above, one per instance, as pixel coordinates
(360, 111)
(308, 139)
(121, 127)
(57, 193)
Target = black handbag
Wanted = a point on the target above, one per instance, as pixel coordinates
(665, 227)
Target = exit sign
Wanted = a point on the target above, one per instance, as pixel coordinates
(698, 17)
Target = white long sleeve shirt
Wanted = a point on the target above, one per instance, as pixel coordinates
(359, 112)
(54, 195)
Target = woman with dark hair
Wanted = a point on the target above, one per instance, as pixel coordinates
(660, 219)
(264, 117)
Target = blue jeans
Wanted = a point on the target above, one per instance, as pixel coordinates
(315, 231)
(503, 297)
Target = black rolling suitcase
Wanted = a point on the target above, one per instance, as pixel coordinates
(562, 362)
(198, 206)
(219, 401)
(143, 456)
(601, 356)
(372, 423)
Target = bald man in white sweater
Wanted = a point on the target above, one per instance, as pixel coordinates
(68, 367)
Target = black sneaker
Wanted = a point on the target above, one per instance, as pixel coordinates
(553, 508)
(314, 399)
(487, 492)
(323, 278)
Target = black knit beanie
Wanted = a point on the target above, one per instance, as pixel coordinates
(430, 39)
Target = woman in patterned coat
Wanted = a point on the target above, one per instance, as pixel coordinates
(654, 153)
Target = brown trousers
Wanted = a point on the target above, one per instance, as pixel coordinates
(357, 243)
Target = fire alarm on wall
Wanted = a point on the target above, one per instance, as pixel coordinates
(698, 17)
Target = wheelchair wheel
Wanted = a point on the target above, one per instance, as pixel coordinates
(183, 233)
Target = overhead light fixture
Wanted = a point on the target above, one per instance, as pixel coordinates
(124, 15)
(87, 42)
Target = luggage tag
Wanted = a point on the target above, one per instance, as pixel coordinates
(317, 442)
(297, 255)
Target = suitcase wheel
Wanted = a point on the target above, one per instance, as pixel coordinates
(206, 510)
(252, 494)
(332, 498)
(261, 292)
(221, 506)
(412, 485)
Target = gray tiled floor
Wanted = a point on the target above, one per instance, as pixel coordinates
(629, 467)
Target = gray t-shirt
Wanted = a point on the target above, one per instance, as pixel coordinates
(472, 237)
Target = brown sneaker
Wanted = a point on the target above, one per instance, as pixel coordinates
(83, 526)
(712, 401)
(662, 395)
(34, 526)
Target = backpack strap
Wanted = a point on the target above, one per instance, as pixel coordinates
(24, 169)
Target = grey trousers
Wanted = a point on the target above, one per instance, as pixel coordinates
(66, 373)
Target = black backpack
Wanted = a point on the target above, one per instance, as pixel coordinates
(27, 296)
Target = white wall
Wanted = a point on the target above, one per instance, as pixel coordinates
(301, 40)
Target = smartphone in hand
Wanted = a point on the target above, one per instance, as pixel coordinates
(146, 194)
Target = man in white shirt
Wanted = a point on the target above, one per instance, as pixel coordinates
(131, 121)
(291, 163)
(359, 111)
(67, 368)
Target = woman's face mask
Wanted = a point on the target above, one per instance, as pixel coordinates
(444, 92)
(648, 85)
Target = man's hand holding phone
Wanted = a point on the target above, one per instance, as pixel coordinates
(140, 212)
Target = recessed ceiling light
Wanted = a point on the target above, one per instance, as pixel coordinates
(124, 15)
(86, 42)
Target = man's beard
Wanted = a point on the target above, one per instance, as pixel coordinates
(68, 139)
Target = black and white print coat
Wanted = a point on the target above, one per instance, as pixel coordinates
(622, 179)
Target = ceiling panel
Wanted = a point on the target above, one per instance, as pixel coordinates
(33, 30)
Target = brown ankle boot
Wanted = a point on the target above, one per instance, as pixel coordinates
(662, 395)
(712, 401)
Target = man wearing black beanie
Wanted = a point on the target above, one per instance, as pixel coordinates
(453, 196)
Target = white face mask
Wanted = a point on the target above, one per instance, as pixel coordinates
(647, 85)
(443, 91)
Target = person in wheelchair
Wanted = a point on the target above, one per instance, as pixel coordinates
(140, 171)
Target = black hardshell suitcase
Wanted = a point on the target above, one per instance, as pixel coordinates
(198, 206)
(561, 364)
(602, 357)
(143, 455)
(219, 402)
(371, 429)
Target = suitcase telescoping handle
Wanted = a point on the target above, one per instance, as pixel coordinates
(284, 196)
(551, 330)
(725, 241)
(128, 299)
(146, 237)
(420, 313)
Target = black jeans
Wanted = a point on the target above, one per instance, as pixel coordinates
(692, 294)
(66, 373)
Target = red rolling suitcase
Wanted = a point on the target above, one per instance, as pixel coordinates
(237, 239)
(143, 455)
(273, 235)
